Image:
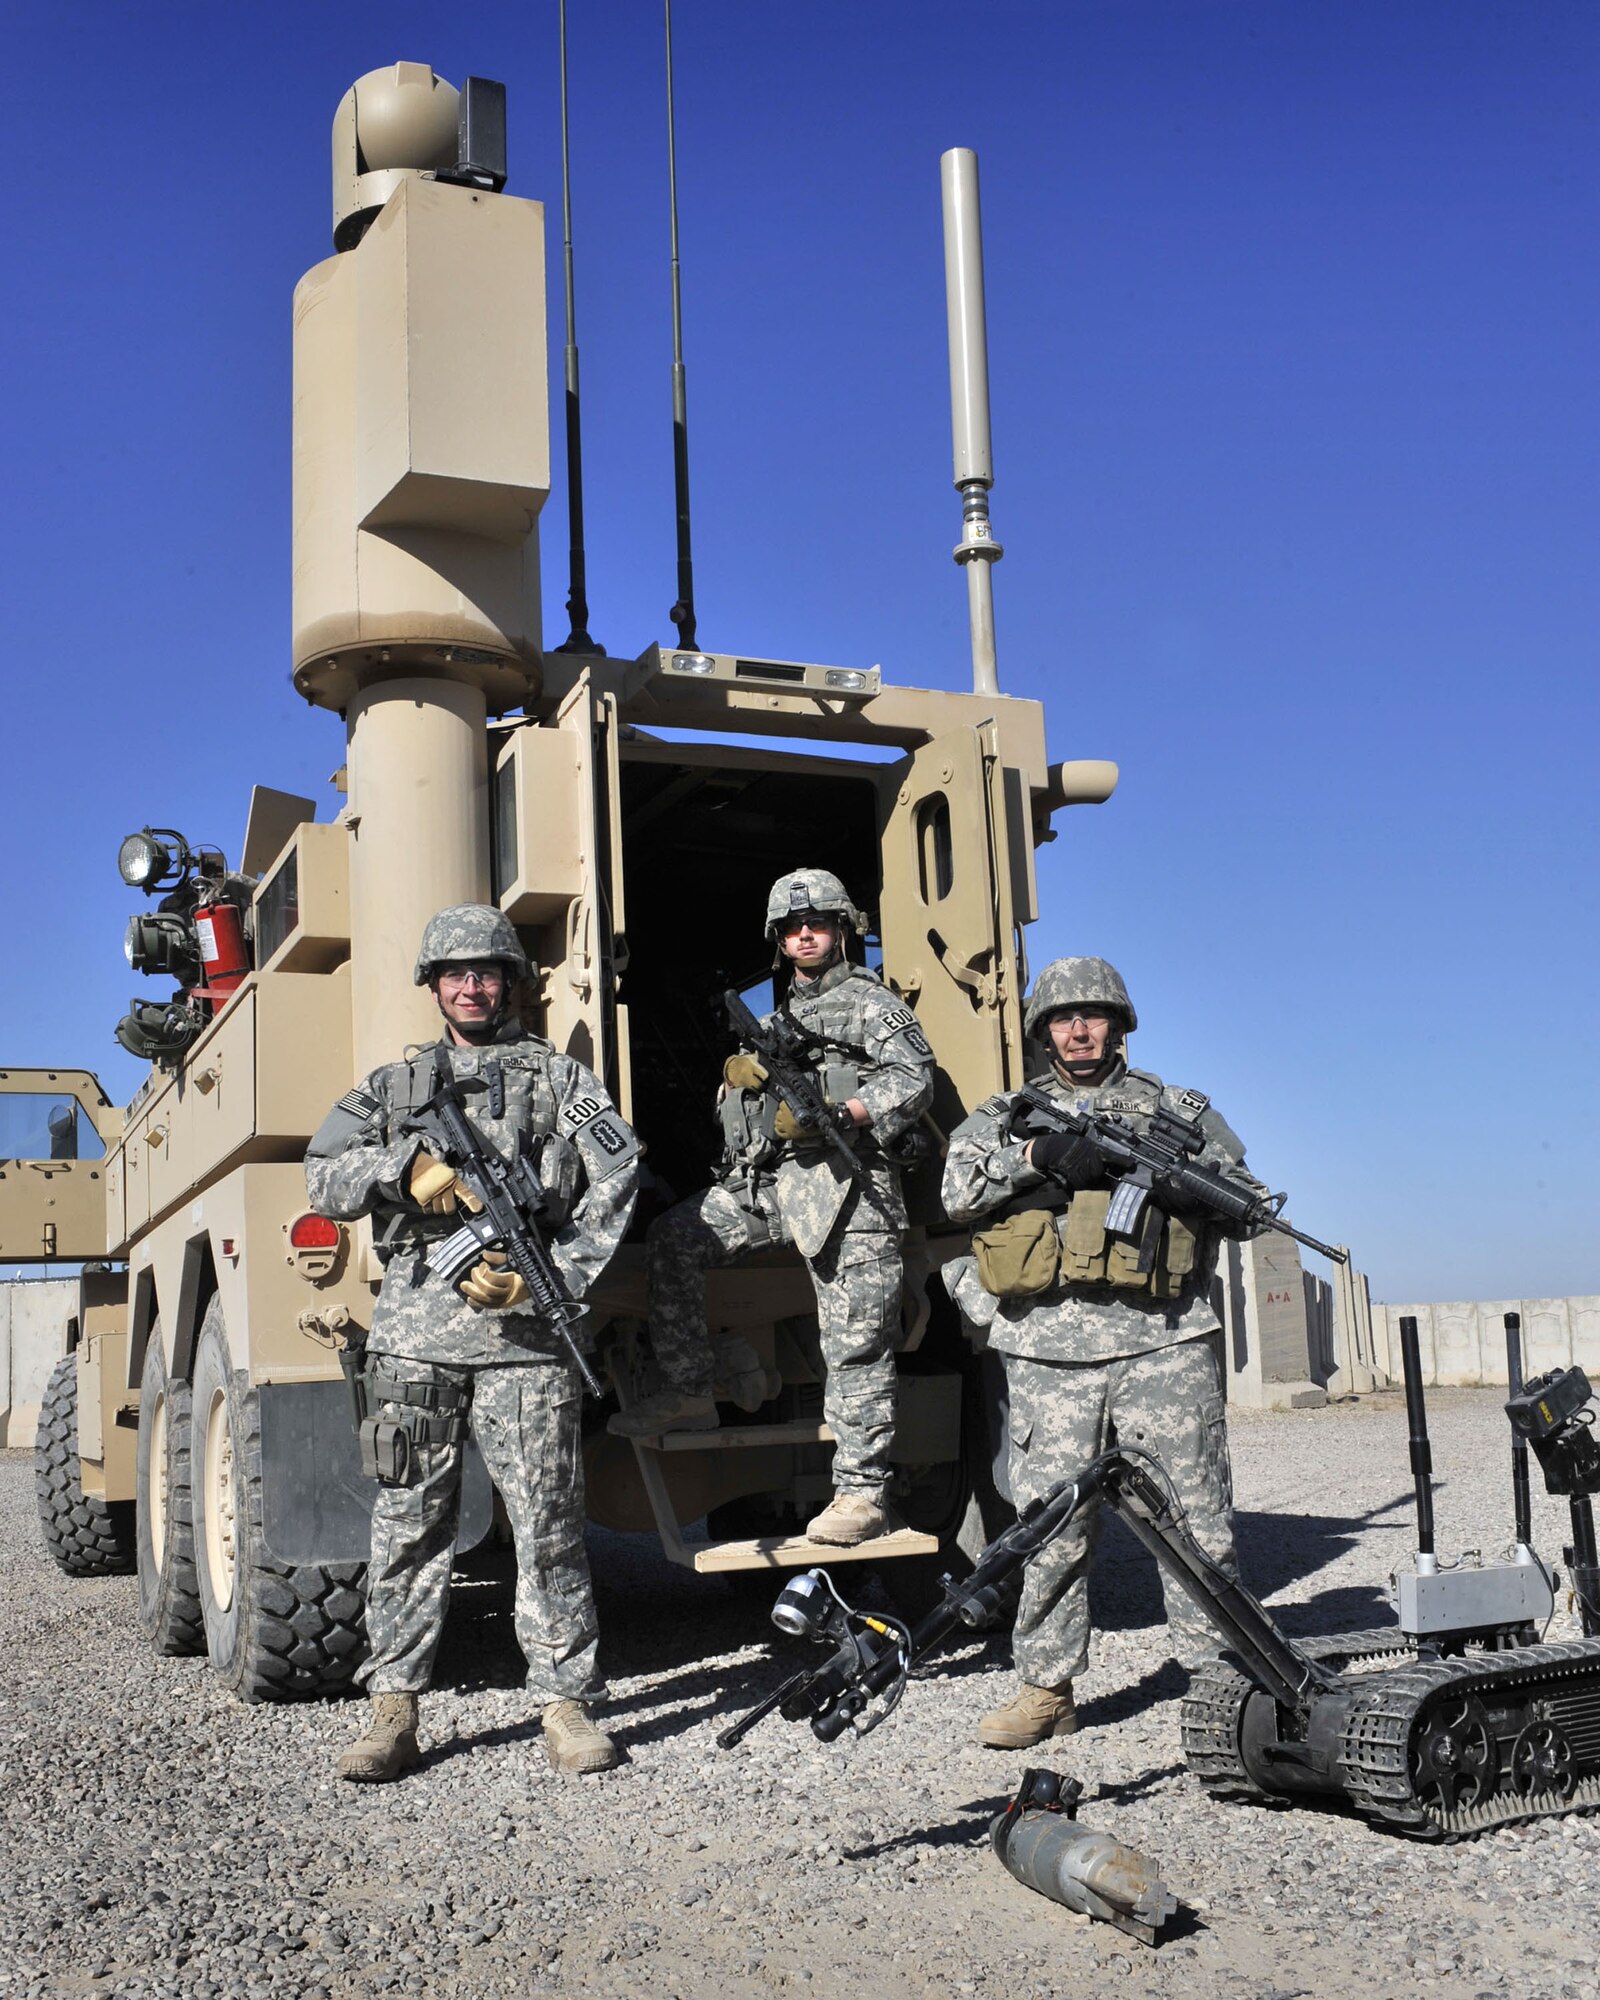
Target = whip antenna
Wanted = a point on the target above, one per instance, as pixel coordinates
(682, 613)
(577, 639)
(977, 551)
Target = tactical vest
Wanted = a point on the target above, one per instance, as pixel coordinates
(1066, 1247)
(555, 1159)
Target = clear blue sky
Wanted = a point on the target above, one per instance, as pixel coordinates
(1293, 324)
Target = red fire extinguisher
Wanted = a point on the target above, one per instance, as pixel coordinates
(224, 960)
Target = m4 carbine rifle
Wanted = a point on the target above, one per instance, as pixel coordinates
(783, 1045)
(1159, 1162)
(511, 1200)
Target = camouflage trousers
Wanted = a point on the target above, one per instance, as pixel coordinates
(1168, 1402)
(856, 1276)
(527, 1420)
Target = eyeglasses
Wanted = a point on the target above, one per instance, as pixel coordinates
(1071, 1017)
(486, 975)
(807, 920)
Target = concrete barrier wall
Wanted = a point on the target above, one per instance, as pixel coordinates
(33, 1322)
(1277, 1335)
(1463, 1344)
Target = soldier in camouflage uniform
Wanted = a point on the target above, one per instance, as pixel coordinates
(440, 1351)
(1090, 1345)
(784, 1184)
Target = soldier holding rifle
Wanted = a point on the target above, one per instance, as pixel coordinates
(458, 1331)
(810, 1130)
(1092, 1283)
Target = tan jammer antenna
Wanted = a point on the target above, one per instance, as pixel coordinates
(682, 613)
(977, 550)
(577, 639)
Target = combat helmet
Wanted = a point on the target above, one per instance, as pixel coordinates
(810, 889)
(1077, 983)
(470, 930)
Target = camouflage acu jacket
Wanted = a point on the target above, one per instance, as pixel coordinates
(985, 1170)
(869, 1047)
(585, 1155)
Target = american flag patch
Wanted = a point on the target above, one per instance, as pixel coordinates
(358, 1104)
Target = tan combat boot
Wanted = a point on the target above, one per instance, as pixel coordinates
(573, 1743)
(390, 1744)
(1032, 1714)
(849, 1518)
(666, 1410)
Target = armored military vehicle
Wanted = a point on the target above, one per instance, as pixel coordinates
(197, 1428)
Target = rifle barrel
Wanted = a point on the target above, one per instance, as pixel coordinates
(1328, 1250)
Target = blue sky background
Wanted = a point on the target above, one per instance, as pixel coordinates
(1292, 315)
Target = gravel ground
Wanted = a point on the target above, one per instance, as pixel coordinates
(157, 1838)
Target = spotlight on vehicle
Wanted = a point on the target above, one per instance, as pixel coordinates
(154, 858)
(157, 1031)
(163, 943)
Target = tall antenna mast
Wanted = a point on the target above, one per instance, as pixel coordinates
(682, 613)
(577, 639)
(977, 551)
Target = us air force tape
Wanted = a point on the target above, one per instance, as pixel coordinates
(594, 1125)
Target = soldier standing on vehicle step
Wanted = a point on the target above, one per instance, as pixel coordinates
(440, 1351)
(784, 1183)
(1090, 1343)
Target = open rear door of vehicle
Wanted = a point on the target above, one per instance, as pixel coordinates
(946, 914)
(559, 866)
(55, 1126)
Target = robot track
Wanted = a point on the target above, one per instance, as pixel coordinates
(1438, 1750)
(1444, 1749)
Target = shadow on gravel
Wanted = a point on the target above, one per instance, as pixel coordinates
(1140, 1786)
(1275, 1550)
(971, 1830)
(1347, 1610)
(1167, 1683)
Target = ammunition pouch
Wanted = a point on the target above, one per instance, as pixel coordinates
(1019, 1256)
(748, 1137)
(432, 1413)
(1036, 1250)
(840, 1082)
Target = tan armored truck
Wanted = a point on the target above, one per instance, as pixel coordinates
(198, 1428)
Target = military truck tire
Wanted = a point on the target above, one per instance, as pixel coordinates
(169, 1590)
(87, 1537)
(275, 1631)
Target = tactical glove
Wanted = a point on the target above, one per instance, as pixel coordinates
(491, 1286)
(742, 1072)
(787, 1126)
(1069, 1158)
(434, 1187)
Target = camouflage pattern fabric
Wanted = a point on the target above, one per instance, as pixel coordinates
(856, 1276)
(469, 931)
(805, 889)
(1169, 1402)
(1076, 983)
(528, 1423)
(865, 1026)
(358, 1161)
(847, 1227)
(985, 1170)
